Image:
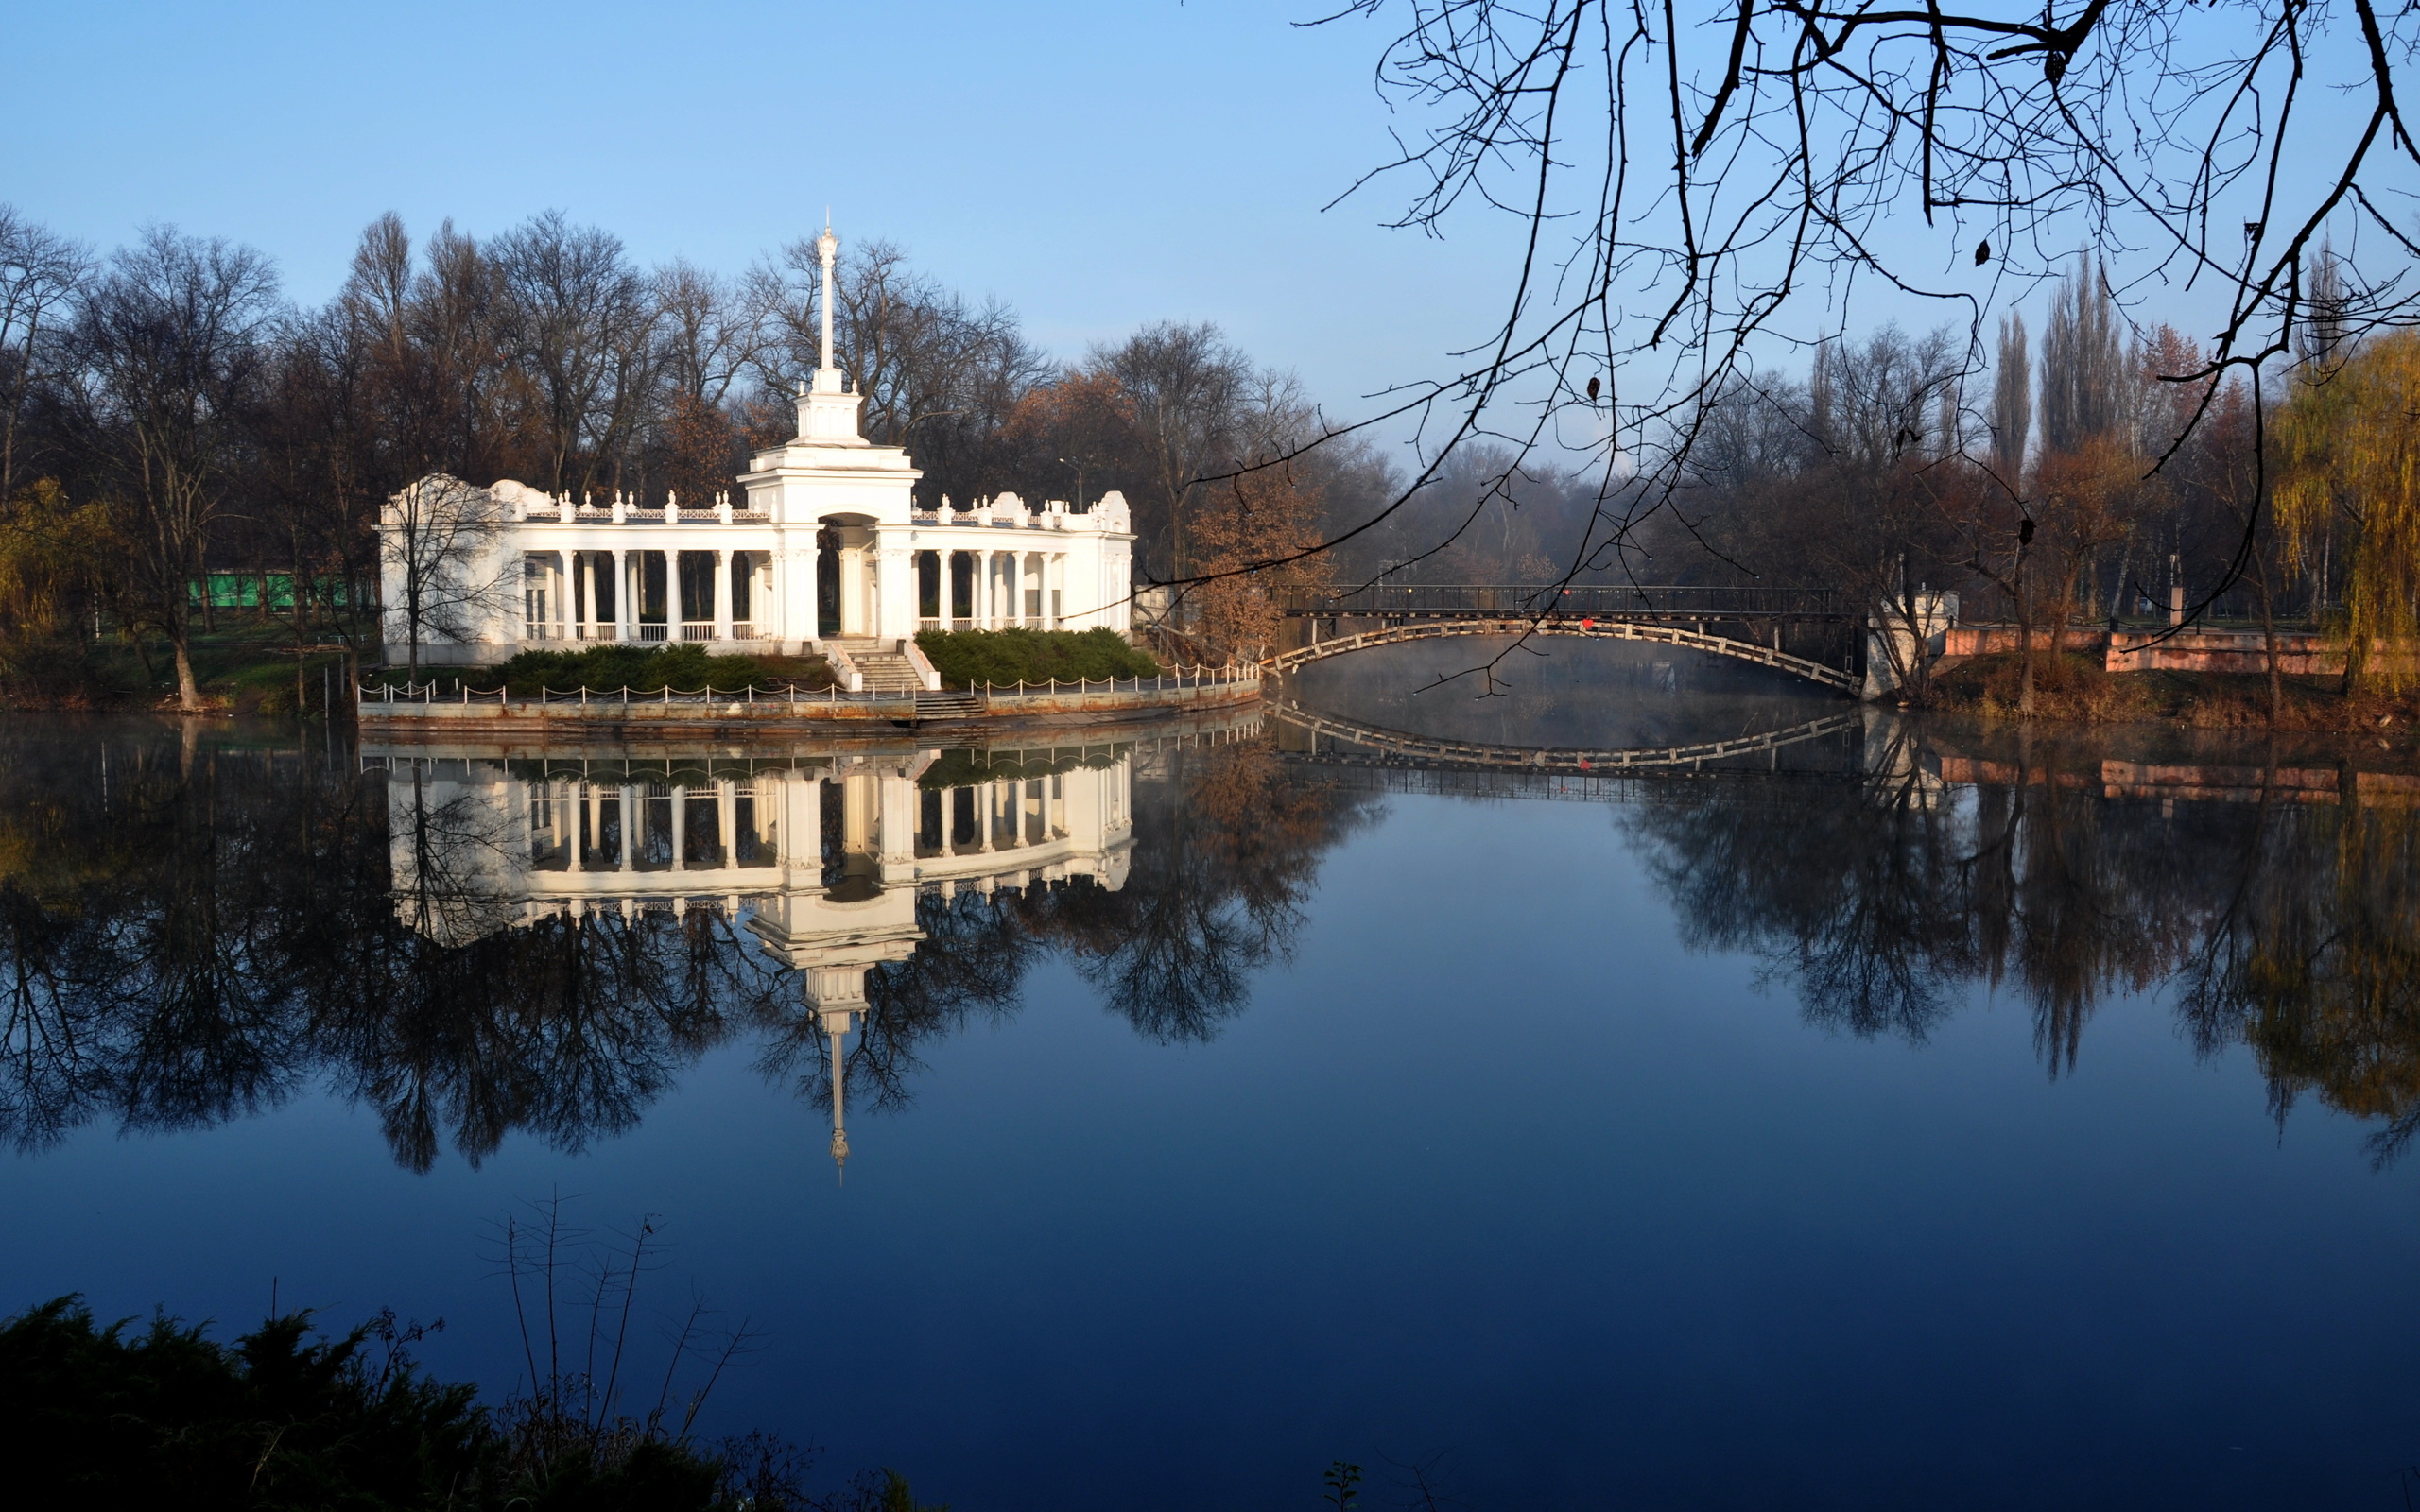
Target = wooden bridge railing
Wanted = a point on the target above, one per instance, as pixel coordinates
(1603, 600)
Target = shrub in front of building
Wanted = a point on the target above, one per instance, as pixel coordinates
(969, 659)
(685, 667)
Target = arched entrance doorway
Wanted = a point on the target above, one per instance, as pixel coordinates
(845, 589)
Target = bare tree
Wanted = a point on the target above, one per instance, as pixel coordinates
(581, 325)
(438, 546)
(1696, 190)
(169, 347)
(711, 333)
(1187, 387)
(713, 330)
(2011, 402)
(2086, 380)
(40, 272)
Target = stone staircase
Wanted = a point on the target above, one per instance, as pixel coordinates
(890, 671)
(886, 671)
(949, 705)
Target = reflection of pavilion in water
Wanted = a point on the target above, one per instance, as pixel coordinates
(824, 857)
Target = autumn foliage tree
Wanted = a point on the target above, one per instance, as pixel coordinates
(2348, 456)
(1254, 533)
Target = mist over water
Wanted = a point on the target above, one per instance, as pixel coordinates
(1946, 1116)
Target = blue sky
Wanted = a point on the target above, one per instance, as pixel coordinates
(1096, 166)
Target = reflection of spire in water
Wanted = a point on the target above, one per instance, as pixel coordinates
(839, 1113)
(836, 1026)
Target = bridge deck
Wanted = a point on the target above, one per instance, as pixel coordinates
(1605, 628)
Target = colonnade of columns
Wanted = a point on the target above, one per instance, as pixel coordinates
(997, 589)
(580, 826)
(645, 596)
(573, 601)
(577, 826)
(983, 817)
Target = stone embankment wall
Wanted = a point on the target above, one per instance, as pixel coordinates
(2198, 784)
(2299, 652)
(854, 714)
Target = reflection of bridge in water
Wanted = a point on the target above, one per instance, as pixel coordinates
(822, 856)
(1354, 742)
(1744, 624)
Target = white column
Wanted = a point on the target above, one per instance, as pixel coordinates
(676, 610)
(895, 830)
(794, 591)
(722, 596)
(680, 826)
(807, 591)
(806, 836)
(852, 590)
(629, 828)
(896, 593)
(727, 818)
(625, 625)
(1011, 579)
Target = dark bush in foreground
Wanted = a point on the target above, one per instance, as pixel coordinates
(967, 659)
(94, 1416)
(167, 1418)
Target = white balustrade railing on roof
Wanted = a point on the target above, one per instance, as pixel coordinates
(635, 515)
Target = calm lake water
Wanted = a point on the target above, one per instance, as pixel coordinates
(1897, 1115)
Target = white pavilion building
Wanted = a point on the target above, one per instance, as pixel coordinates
(827, 545)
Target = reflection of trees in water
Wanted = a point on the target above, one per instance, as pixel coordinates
(1227, 844)
(190, 933)
(568, 1029)
(2290, 927)
(2314, 962)
(1843, 896)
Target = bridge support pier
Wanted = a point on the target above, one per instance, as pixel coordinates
(1899, 645)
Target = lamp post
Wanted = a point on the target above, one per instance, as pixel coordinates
(1079, 482)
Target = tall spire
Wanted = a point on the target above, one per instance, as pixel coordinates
(827, 247)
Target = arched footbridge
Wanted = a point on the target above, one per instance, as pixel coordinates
(1692, 617)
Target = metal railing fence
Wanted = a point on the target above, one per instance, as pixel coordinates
(1678, 600)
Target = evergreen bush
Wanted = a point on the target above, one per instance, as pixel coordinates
(685, 666)
(969, 659)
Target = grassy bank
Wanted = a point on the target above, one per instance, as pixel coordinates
(248, 671)
(969, 659)
(2077, 689)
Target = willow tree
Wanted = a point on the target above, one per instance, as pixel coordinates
(2348, 453)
